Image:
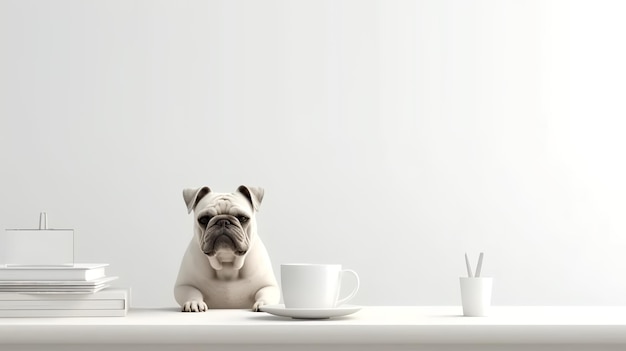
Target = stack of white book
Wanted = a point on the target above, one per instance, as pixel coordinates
(59, 291)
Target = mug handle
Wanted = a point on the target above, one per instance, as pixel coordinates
(351, 295)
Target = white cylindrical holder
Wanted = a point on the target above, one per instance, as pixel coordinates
(476, 296)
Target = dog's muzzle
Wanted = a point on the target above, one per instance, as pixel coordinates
(225, 233)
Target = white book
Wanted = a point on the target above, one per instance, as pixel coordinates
(106, 294)
(62, 287)
(62, 304)
(59, 283)
(106, 303)
(79, 272)
(55, 289)
(62, 313)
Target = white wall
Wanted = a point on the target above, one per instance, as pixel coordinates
(390, 136)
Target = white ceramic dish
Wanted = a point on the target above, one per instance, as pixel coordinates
(310, 313)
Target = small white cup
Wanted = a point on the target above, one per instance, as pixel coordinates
(476, 296)
(314, 285)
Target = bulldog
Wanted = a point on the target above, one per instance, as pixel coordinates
(226, 264)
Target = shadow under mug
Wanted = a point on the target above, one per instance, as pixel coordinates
(314, 285)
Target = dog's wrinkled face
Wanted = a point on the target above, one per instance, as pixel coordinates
(224, 223)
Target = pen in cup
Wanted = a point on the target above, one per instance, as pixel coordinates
(469, 268)
(480, 265)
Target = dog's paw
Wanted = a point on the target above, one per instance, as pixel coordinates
(257, 306)
(195, 306)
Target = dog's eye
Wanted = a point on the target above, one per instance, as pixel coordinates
(242, 219)
(204, 220)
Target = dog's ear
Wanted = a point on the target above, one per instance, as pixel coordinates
(254, 194)
(192, 196)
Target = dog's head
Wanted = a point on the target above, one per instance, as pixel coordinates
(224, 223)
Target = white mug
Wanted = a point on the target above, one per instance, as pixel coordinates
(307, 285)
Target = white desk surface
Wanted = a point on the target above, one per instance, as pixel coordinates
(372, 325)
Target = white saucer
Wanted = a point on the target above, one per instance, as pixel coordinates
(310, 313)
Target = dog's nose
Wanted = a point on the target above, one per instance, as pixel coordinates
(223, 222)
